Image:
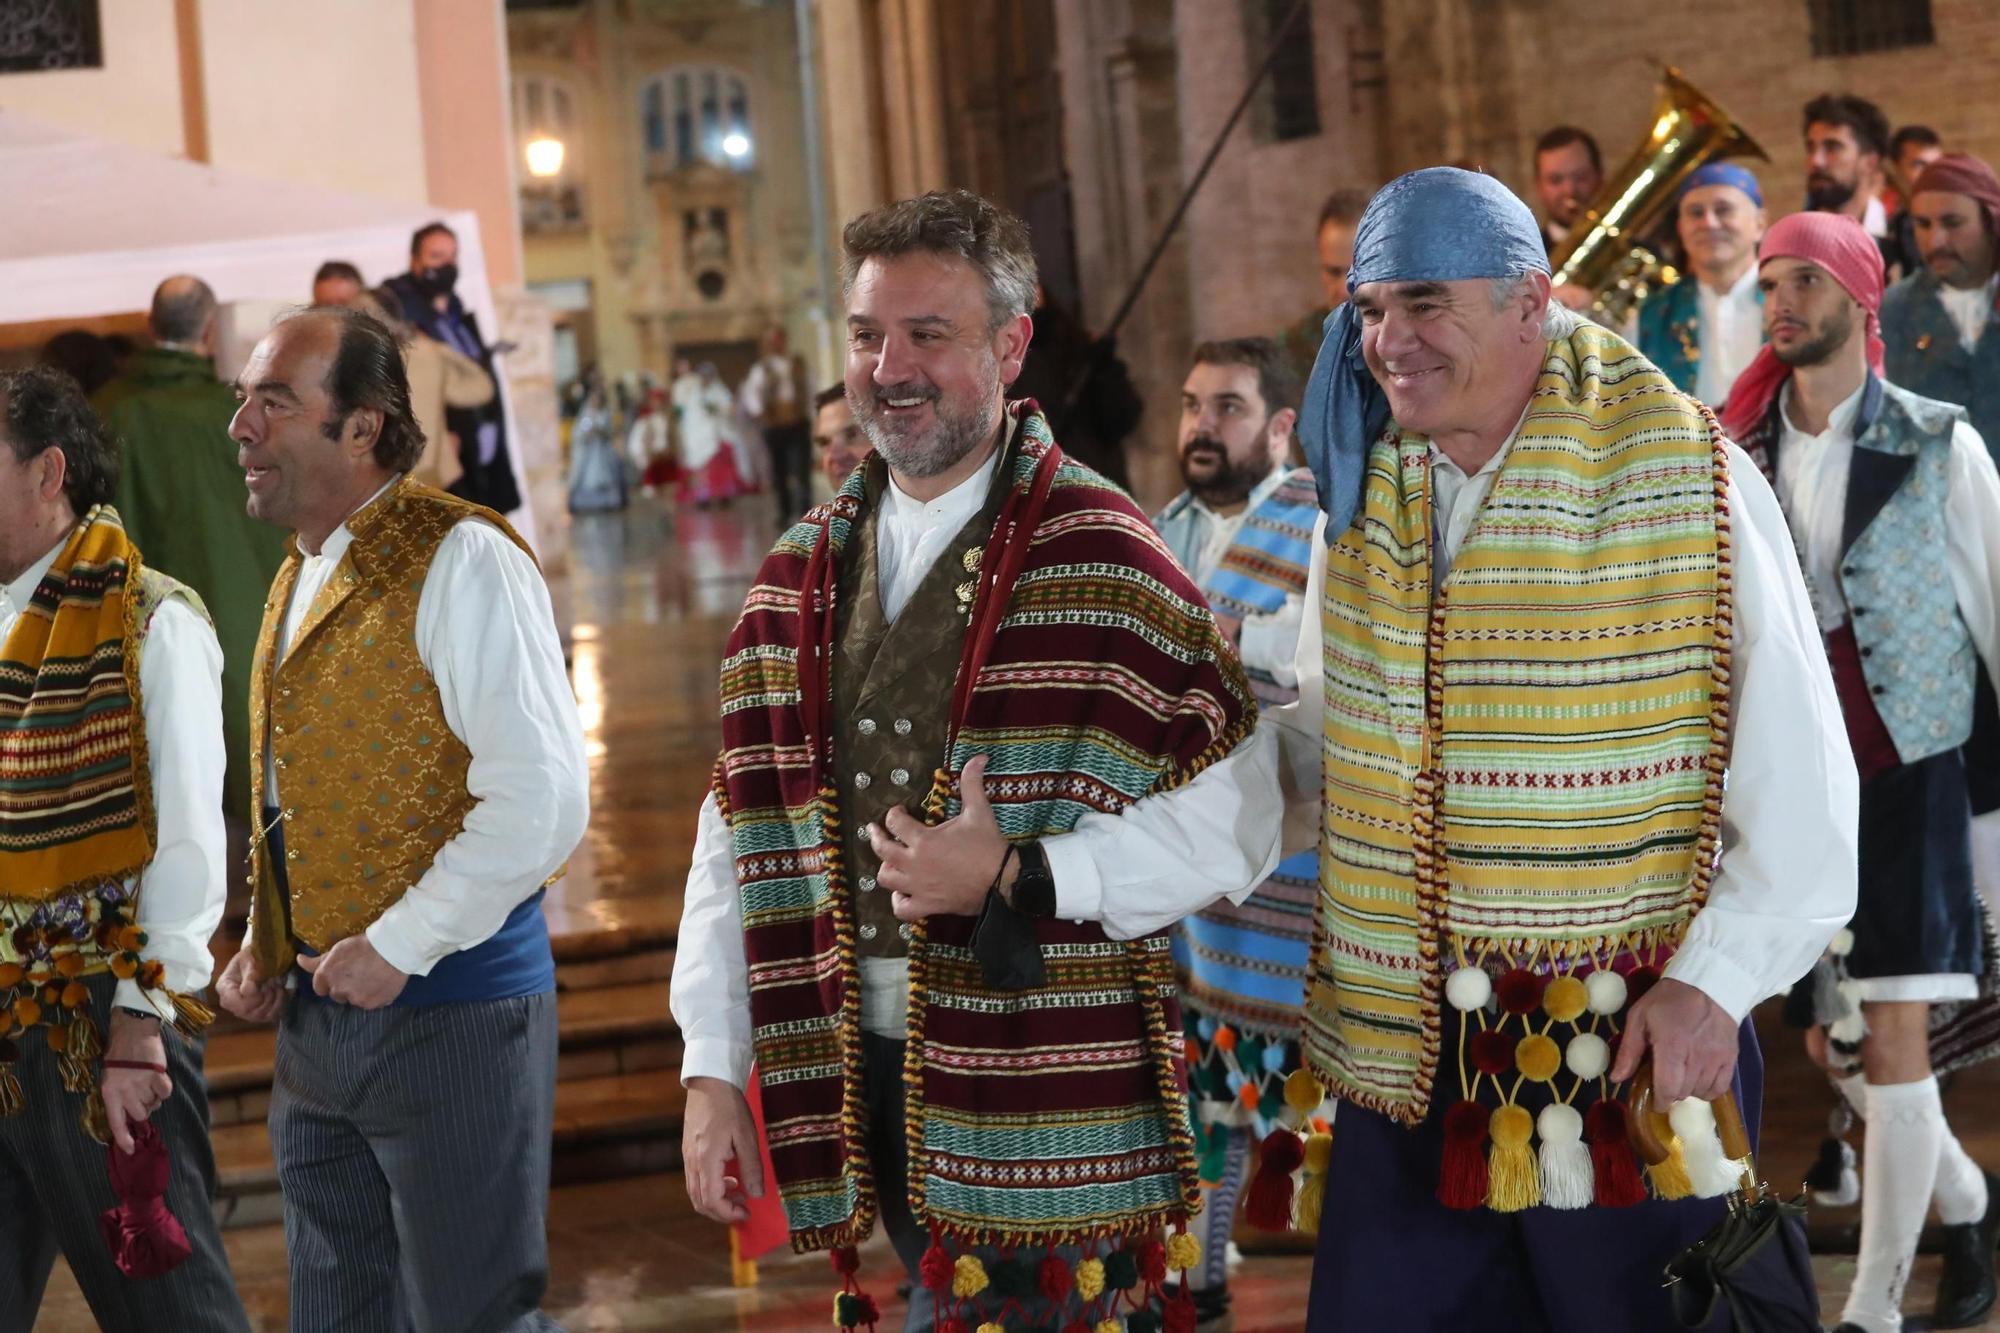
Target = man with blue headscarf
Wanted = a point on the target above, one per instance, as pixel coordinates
(1703, 330)
(1554, 609)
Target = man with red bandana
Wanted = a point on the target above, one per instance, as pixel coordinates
(1894, 506)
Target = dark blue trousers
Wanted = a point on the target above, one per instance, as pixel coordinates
(1392, 1257)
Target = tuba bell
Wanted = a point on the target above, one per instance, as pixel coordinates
(1608, 252)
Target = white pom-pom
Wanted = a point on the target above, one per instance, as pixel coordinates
(1588, 1055)
(1712, 1174)
(1843, 943)
(1468, 989)
(1559, 1123)
(1604, 991)
(1849, 1030)
(1565, 1161)
(1691, 1117)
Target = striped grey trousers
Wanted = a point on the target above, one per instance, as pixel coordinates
(413, 1149)
(54, 1181)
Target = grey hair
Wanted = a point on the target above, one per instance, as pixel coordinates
(1558, 321)
(957, 223)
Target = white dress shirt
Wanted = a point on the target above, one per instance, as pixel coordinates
(1162, 858)
(1969, 308)
(486, 633)
(1786, 880)
(182, 890)
(768, 384)
(1731, 332)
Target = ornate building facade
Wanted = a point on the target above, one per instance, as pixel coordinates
(678, 223)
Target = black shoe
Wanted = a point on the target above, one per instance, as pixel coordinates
(1966, 1286)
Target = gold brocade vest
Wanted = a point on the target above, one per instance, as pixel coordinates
(892, 686)
(372, 780)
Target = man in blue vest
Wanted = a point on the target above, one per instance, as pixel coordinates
(1937, 323)
(1703, 330)
(1243, 529)
(1895, 507)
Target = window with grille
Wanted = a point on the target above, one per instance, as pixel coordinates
(1852, 27)
(697, 114)
(546, 108)
(1287, 107)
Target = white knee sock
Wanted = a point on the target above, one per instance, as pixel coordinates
(1905, 1125)
(1961, 1186)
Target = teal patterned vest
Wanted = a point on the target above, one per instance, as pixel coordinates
(1670, 332)
(1916, 653)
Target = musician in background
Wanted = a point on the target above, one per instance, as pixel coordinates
(1703, 330)
(1338, 217)
(1569, 171)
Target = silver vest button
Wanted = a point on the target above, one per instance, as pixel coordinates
(861, 781)
(866, 726)
(904, 930)
(868, 930)
(900, 776)
(867, 884)
(902, 726)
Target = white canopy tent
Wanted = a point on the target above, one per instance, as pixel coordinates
(89, 227)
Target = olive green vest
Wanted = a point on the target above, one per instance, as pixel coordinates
(892, 689)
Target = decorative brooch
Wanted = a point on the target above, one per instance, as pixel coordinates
(969, 589)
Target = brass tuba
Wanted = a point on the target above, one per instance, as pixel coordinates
(1607, 250)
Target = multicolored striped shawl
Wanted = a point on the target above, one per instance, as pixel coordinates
(1528, 761)
(1245, 964)
(1092, 676)
(76, 805)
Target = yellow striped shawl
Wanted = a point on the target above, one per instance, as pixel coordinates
(1530, 762)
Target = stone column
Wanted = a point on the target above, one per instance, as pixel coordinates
(857, 172)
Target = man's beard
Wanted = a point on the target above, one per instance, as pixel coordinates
(1824, 194)
(958, 430)
(1231, 482)
(1831, 335)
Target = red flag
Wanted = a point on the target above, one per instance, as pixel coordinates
(767, 1229)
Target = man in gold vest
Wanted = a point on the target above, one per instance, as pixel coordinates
(111, 877)
(420, 774)
(1558, 608)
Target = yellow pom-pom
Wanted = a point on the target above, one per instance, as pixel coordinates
(1565, 999)
(1089, 1279)
(1511, 1126)
(1538, 1058)
(968, 1277)
(1319, 1151)
(991, 1328)
(1110, 1326)
(1303, 1092)
(1183, 1251)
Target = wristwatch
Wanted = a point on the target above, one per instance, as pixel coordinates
(1034, 891)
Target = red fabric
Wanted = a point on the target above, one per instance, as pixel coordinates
(1874, 748)
(1841, 246)
(145, 1239)
(766, 1228)
(1962, 173)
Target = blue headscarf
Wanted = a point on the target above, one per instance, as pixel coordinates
(1724, 173)
(1436, 225)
